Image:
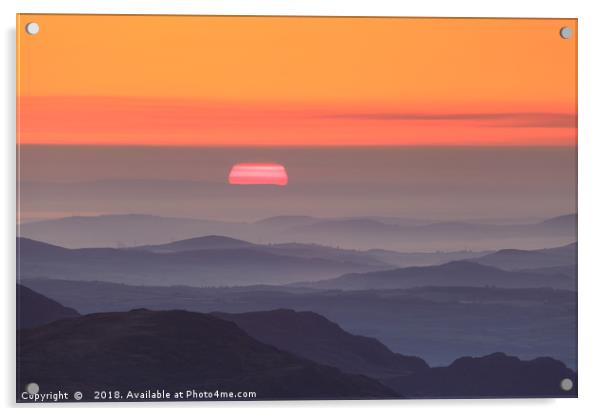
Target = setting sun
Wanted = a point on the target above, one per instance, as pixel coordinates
(258, 174)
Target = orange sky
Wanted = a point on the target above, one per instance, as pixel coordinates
(226, 81)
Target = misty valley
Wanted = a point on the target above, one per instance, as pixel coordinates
(298, 319)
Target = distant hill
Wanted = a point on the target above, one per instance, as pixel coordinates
(173, 350)
(457, 273)
(43, 250)
(358, 233)
(307, 251)
(34, 309)
(244, 265)
(560, 222)
(495, 375)
(122, 230)
(320, 251)
(314, 337)
(376, 258)
(368, 233)
(210, 242)
(347, 226)
(510, 259)
(410, 259)
(282, 222)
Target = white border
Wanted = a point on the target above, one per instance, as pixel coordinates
(459, 8)
(590, 178)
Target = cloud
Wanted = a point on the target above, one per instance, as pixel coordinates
(519, 120)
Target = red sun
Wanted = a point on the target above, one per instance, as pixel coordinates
(258, 174)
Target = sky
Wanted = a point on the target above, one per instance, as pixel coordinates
(436, 118)
(283, 81)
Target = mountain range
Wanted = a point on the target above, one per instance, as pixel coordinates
(359, 233)
(457, 273)
(494, 375)
(231, 263)
(174, 350)
(224, 261)
(171, 351)
(559, 258)
(314, 337)
(438, 324)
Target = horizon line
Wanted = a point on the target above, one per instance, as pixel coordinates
(301, 146)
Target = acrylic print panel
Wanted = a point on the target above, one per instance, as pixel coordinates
(265, 208)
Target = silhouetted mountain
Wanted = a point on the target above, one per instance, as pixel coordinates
(281, 222)
(367, 233)
(396, 220)
(348, 226)
(122, 230)
(495, 375)
(34, 309)
(210, 267)
(324, 252)
(410, 259)
(307, 251)
(457, 273)
(175, 351)
(561, 222)
(285, 222)
(359, 233)
(510, 259)
(210, 242)
(314, 337)
(417, 321)
(567, 252)
(379, 259)
(41, 249)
